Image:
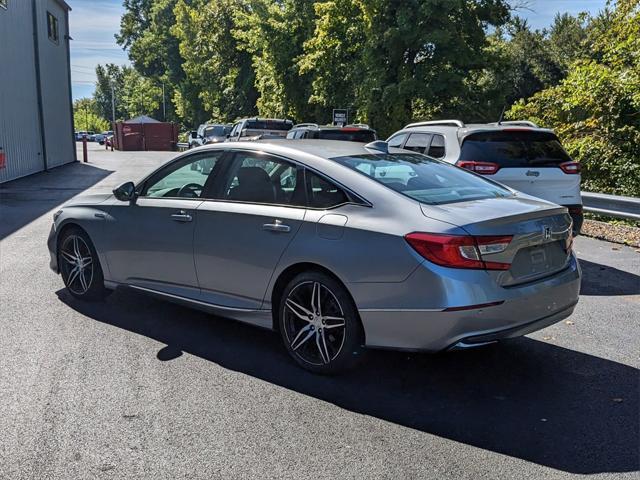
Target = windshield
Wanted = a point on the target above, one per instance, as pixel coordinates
(356, 135)
(215, 131)
(519, 148)
(268, 125)
(424, 179)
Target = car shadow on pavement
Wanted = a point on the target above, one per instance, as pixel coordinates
(524, 398)
(26, 199)
(600, 279)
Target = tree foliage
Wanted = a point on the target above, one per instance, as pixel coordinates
(389, 62)
(596, 109)
(86, 116)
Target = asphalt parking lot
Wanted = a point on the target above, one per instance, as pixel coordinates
(134, 387)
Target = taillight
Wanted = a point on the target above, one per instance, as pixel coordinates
(485, 168)
(459, 251)
(570, 167)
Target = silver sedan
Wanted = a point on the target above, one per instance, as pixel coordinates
(335, 245)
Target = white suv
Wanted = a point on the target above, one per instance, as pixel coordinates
(517, 153)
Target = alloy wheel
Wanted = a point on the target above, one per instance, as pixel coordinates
(77, 264)
(314, 323)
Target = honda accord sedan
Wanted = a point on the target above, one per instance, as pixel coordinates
(335, 245)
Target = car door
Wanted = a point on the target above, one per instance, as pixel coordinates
(151, 240)
(241, 234)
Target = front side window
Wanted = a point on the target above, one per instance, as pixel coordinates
(259, 178)
(184, 179)
(52, 27)
(418, 142)
(424, 179)
(397, 140)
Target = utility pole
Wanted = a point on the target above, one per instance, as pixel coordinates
(164, 105)
(86, 117)
(113, 106)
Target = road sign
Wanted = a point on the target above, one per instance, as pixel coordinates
(340, 116)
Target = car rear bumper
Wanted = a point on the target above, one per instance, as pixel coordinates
(521, 310)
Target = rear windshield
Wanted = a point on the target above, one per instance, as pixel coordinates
(364, 136)
(424, 179)
(268, 125)
(215, 131)
(514, 149)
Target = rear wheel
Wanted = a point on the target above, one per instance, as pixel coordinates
(319, 324)
(79, 266)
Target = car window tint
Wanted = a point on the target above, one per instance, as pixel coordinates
(514, 148)
(184, 179)
(424, 179)
(436, 149)
(258, 178)
(322, 193)
(418, 142)
(397, 140)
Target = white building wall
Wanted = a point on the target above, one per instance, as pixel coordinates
(56, 100)
(20, 136)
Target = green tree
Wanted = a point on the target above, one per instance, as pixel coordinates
(218, 73)
(273, 33)
(595, 108)
(109, 83)
(411, 58)
(86, 116)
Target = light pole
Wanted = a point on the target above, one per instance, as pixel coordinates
(113, 106)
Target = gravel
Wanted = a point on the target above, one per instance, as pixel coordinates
(611, 232)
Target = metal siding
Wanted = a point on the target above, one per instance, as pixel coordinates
(55, 88)
(19, 130)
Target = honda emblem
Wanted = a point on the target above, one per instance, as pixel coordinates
(546, 232)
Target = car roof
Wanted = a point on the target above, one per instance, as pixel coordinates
(327, 149)
(470, 128)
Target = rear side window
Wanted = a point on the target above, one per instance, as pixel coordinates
(436, 149)
(322, 193)
(418, 142)
(356, 135)
(514, 149)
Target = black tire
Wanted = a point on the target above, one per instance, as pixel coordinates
(319, 343)
(84, 280)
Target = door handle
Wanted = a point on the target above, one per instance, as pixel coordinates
(181, 216)
(277, 226)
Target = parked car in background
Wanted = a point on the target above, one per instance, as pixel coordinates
(209, 133)
(101, 137)
(259, 128)
(517, 153)
(351, 133)
(333, 244)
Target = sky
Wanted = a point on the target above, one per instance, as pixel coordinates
(93, 24)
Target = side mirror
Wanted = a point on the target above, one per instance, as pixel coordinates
(194, 134)
(125, 192)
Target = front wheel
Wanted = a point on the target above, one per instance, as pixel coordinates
(79, 265)
(319, 324)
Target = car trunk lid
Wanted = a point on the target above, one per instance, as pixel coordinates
(540, 234)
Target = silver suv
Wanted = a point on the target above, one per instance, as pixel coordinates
(516, 153)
